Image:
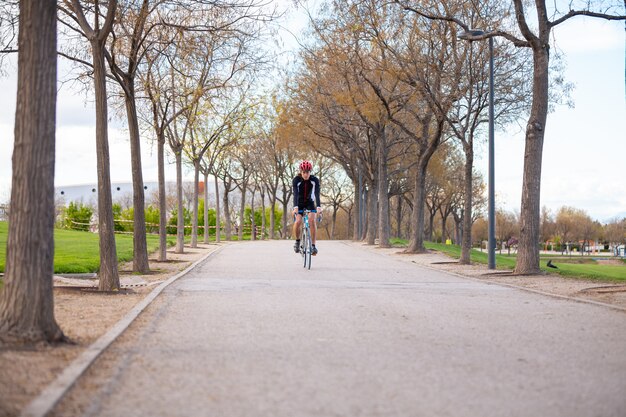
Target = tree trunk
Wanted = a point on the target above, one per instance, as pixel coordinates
(252, 220)
(416, 245)
(355, 217)
(162, 201)
(530, 213)
(194, 217)
(444, 220)
(372, 212)
(383, 195)
(399, 216)
(227, 222)
(242, 211)
(206, 207)
(26, 302)
(108, 275)
(285, 233)
(180, 223)
(458, 229)
(273, 218)
(431, 225)
(218, 229)
(466, 243)
(334, 223)
(366, 217)
(140, 245)
(263, 222)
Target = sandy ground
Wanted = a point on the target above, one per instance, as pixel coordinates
(84, 316)
(591, 290)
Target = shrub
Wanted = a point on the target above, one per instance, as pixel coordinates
(152, 219)
(77, 216)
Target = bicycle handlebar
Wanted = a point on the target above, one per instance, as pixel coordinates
(319, 218)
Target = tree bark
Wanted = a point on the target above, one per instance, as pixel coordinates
(383, 194)
(466, 243)
(140, 245)
(180, 223)
(273, 218)
(252, 220)
(26, 302)
(416, 245)
(399, 216)
(530, 213)
(218, 229)
(206, 207)
(431, 225)
(284, 231)
(194, 216)
(355, 217)
(372, 212)
(162, 203)
(242, 211)
(227, 223)
(263, 222)
(108, 275)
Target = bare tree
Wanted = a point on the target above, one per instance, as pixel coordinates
(213, 123)
(126, 53)
(336, 193)
(538, 39)
(9, 20)
(26, 302)
(97, 36)
(615, 233)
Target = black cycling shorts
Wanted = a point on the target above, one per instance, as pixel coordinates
(310, 205)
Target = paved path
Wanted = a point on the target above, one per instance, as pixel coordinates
(250, 333)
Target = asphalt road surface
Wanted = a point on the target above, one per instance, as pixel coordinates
(251, 333)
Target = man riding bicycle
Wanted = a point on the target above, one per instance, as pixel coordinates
(306, 195)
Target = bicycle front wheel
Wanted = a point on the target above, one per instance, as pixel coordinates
(306, 252)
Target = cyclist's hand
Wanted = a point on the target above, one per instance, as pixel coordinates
(295, 211)
(319, 210)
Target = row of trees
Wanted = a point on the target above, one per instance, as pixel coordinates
(383, 85)
(561, 230)
(381, 90)
(183, 70)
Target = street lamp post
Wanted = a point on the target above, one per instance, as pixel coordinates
(473, 35)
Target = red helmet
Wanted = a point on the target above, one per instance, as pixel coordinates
(306, 166)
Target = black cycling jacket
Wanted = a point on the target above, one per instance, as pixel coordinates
(306, 191)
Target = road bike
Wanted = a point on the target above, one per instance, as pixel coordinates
(306, 245)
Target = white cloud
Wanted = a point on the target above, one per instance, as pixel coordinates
(583, 35)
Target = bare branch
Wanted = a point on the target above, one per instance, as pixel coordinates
(573, 13)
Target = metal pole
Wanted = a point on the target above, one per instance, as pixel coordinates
(492, 204)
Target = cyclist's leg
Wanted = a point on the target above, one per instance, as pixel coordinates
(312, 226)
(296, 227)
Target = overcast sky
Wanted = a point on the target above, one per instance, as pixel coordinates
(584, 158)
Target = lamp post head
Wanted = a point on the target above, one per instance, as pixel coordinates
(470, 35)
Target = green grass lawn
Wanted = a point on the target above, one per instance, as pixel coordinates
(568, 266)
(78, 252)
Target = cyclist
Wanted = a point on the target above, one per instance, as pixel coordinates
(306, 195)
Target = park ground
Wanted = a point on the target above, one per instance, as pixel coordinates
(85, 315)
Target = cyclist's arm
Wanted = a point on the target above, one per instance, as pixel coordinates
(295, 192)
(318, 202)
